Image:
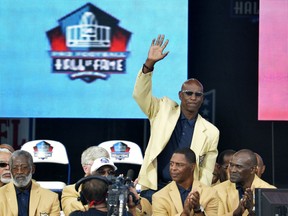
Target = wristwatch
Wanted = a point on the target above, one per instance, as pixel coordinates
(199, 210)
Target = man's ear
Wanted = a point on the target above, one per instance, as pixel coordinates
(180, 95)
(254, 169)
(86, 169)
(263, 169)
(33, 169)
(203, 98)
(193, 167)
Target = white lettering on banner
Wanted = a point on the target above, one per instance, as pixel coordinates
(100, 65)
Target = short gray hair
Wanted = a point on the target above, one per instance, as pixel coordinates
(19, 153)
(92, 153)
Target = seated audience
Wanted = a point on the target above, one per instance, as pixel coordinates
(69, 198)
(236, 194)
(184, 195)
(5, 154)
(23, 196)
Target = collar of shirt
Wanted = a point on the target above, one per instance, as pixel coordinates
(25, 192)
(240, 190)
(190, 122)
(183, 193)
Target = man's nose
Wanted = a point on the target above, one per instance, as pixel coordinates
(173, 167)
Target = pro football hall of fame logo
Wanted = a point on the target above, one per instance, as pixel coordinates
(88, 44)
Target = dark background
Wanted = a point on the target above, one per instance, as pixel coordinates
(223, 54)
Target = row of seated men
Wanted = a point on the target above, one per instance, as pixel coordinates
(184, 195)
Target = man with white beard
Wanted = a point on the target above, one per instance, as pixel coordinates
(23, 196)
(5, 154)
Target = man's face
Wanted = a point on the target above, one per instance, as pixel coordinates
(5, 175)
(104, 171)
(180, 169)
(191, 102)
(240, 169)
(226, 162)
(87, 168)
(21, 171)
(216, 173)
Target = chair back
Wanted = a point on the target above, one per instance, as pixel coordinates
(122, 151)
(50, 153)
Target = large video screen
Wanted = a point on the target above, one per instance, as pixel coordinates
(273, 64)
(79, 59)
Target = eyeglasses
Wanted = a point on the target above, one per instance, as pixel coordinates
(2, 165)
(190, 93)
(103, 172)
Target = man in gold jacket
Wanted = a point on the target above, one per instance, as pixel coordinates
(236, 195)
(184, 195)
(23, 196)
(167, 120)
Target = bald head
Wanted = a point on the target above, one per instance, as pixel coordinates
(248, 155)
(242, 167)
(7, 146)
(192, 81)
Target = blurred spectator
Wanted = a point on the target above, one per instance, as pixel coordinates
(5, 154)
(223, 161)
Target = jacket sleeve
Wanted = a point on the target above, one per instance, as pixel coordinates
(69, 200)
(55, 207)
(142, 94)
(212, 204)
(209, 162)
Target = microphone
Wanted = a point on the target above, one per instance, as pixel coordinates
(130, 174)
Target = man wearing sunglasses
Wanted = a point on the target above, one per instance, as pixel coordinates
(5, 154)
(173, 126)
(103, 167)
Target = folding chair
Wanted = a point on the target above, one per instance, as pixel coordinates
(47, 154)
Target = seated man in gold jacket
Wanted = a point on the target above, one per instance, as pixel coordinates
(23, 196)
(236, 194)
(184, 195)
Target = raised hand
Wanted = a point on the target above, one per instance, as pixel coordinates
(157, 47)
(156, 53)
